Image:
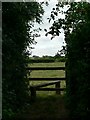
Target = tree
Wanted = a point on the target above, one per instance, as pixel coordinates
(18, 19)
(76, 29)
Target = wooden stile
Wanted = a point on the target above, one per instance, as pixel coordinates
(39, 87)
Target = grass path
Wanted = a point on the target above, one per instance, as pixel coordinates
(47, 107)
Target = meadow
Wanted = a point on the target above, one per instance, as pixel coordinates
(47, 73)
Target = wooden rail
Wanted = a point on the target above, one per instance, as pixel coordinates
(46, 79)
(34, 88)
(45, 84)
(45, 68)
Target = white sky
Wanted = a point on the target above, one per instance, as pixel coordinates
(46, 46)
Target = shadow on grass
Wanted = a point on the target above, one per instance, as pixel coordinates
(45, 107)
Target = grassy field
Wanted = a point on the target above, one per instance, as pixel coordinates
(53, 64)
(47, 73)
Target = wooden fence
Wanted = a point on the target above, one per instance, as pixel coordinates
(53, 81)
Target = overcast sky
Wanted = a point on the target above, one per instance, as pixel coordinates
(46, 46)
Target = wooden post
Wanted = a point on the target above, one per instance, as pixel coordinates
(33, 93)
(57, 85)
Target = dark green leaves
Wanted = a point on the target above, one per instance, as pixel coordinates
(76, 27)
(52, 16)
(18, 19)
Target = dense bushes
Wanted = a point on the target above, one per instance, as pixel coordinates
(77, 36)
(78, 63)
(40, 60)
(46, 60)
(16, 37)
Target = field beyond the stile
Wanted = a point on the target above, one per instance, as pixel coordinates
(47, 73)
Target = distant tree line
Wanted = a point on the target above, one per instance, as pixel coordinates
(47, 59)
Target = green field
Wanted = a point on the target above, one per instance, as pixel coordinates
(46, 74)
(53, 64)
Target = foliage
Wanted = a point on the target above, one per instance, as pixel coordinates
(46, 59)
(76, 27)
(18, 19)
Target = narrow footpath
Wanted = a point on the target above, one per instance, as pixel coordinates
(43, 108)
